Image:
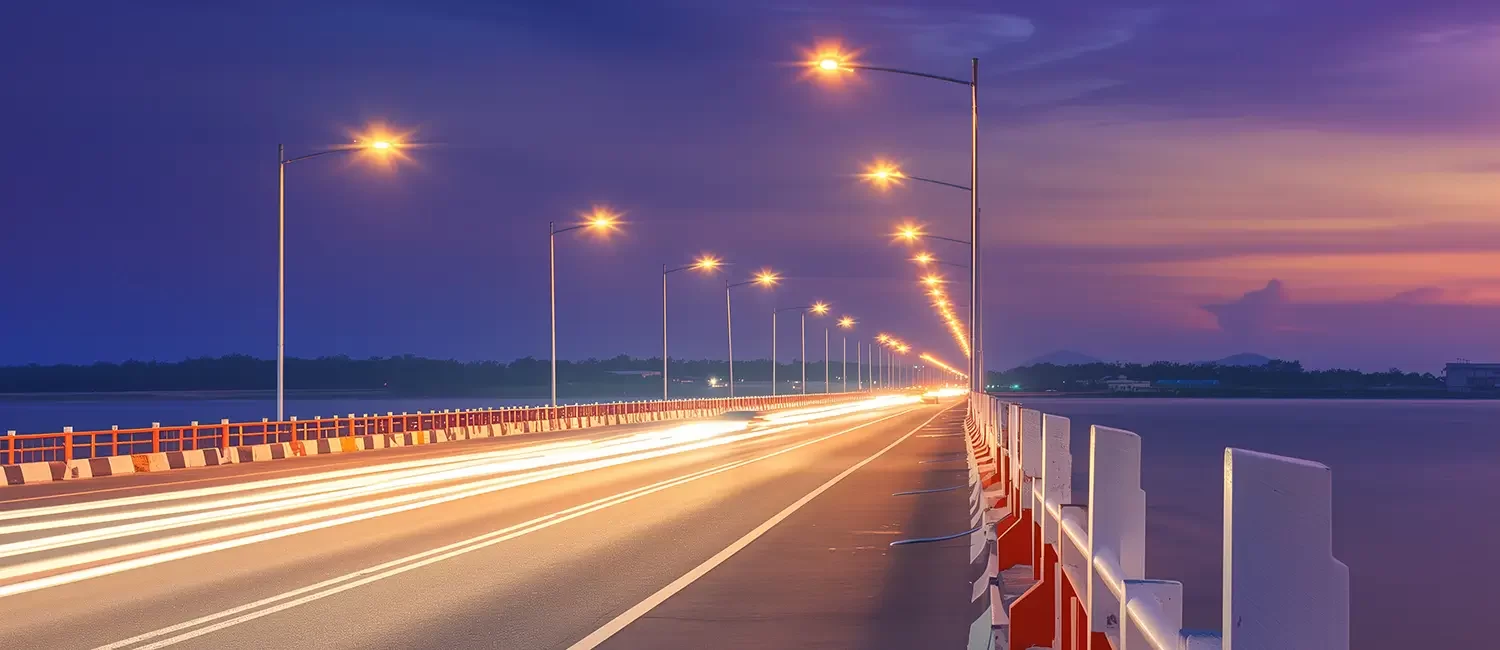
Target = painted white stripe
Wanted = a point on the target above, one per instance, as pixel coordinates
(613, 627)
(398, 566)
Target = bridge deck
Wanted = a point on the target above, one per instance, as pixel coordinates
(827, 577)
(542, 564)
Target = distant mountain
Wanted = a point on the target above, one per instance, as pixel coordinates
(1243, 359)
(1062, 358)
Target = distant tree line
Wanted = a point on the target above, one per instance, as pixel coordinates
(404, 374)
(1276, 374)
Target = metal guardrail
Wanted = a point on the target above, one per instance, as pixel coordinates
(1283, 589)
(67, 445)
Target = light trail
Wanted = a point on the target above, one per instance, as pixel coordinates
(939, 363)
(256, 486)
(302, 504)
(280, 602)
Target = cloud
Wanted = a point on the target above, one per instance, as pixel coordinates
(1111, 30)
(1254, 315)
(1419, 296)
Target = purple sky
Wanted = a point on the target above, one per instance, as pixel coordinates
(1175, 180)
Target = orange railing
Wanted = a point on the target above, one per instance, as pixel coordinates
(68, 444)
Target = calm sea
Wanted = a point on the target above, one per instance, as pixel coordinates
(1415, 484)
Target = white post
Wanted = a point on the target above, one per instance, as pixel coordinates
(1057, 489)
(1117, 523)
(1282, 586)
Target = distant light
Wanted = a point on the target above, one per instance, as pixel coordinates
(829, 64)
(909, 232)
(846, 322)
(820, 308)
(766, 278)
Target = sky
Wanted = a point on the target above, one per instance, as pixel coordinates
(1170, 180)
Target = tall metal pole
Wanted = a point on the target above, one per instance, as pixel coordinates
(859, 371)
(664, 332)
(729, 319)
(844, 373)
(281, 283)
(976, 330)
(552, 293)
(804, 351)
(773, 352)
(825, 359)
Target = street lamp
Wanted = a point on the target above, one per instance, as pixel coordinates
(831, 61)
(923, 259)
(847, 323)
(381, 146)
(599, 220)
(911, 233)
(818, 308)
(883, 174)
(704, 263)
(766, 278)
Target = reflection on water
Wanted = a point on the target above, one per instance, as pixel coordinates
(1415, 483)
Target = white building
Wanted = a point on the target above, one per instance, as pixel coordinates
(1473, 377)
(1122, 385)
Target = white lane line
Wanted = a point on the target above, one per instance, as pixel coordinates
(398, 566)
(614, 626)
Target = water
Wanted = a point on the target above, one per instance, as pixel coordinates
(1415, 486)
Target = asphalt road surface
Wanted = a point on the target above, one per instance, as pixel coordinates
(710, 534)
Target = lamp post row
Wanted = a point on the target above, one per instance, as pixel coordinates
(606, 221)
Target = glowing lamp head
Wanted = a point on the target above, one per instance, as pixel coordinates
(924, 259)
(883, 174)
(909, 233)
(883, 338)
(707, 263)
(767, 278)
(601, 219)
(819, 308)
(932, 280)
(846, 322)
(829, 64)
(380, 144)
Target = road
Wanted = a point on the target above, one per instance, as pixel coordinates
(693, 535)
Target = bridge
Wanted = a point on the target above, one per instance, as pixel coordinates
(852, 520)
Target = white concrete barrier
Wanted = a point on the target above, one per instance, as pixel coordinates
(1072, 576)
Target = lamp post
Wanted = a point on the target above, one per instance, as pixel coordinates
(766, 278)
(825, 360)
(818, 308)
(703, 263)
(376, 145)
(858, 359)
(833, 62)
(801, 308)
(599, 220)
(846, 323)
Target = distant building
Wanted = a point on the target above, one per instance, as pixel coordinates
(1121, 384)
(635, 373)
(1187, 383)
(1473, 377)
